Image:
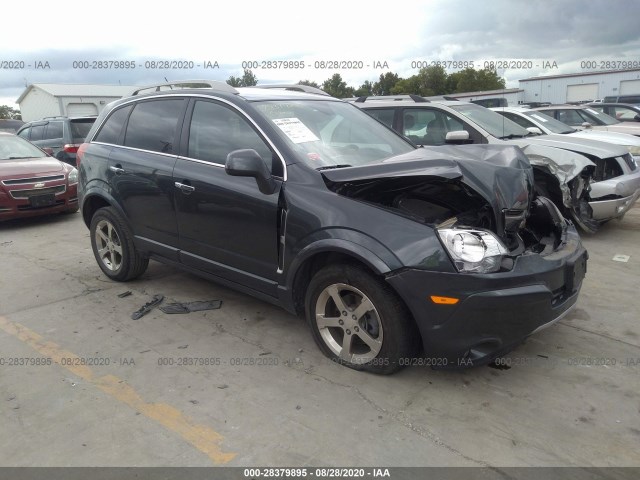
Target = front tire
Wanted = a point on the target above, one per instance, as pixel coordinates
(358, 321)
(113, 247)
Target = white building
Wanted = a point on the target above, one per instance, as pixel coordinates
(41, 100)
(578, 87)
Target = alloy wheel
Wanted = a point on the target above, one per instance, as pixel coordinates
(349, 323)
(108, 245)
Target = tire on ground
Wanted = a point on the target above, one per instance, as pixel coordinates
(400, 339)
(125, 262)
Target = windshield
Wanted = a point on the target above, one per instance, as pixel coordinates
(492, 122)
(12, 148)
(599, 118)
(550, 123)
(326, 134)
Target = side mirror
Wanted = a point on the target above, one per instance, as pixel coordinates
(457, 137)
(637, 118)
(534, 130)
(586, 125)
(248, 163)
(48, 151)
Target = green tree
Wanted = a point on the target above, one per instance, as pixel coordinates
(489, 80)
(248, 79)
(470, 80)
(386, 82)
(9, 112)
(406, 86)
(433, 79)
(336, 87)
(364, 90)
(309, 83)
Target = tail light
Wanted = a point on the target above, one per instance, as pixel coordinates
(79, 150)
(71, 147)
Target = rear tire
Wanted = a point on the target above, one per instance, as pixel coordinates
(113, 247)
(358, 321)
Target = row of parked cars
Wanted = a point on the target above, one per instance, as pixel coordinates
(450, 233)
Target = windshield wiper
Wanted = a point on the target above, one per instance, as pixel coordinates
(18, 158)
(329, 167)
(510, 136)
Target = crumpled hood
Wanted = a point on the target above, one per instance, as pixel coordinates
(564, 164)
(499, 173)
(580, 145)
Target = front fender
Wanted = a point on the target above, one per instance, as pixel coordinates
(348, 242)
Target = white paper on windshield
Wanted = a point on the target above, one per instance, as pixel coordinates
(539, 118)
(297, 131)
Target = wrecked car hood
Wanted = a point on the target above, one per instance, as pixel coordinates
(580, 145)
(564, 164)
(501, 174)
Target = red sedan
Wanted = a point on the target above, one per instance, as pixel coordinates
(33, 183)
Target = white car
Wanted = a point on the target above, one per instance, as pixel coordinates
(533, 119)
(587, 117)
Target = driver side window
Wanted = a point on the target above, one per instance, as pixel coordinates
(217, 130)
(425, 126)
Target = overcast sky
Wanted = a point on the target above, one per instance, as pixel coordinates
(567, 32)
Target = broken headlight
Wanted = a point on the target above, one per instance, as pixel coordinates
(473, 251)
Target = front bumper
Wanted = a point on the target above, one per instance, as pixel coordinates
(496, 311)
(619, 195)
(12, 208)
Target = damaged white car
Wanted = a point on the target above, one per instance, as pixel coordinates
(590, 182)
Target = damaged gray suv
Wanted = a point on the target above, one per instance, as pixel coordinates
(307, 202)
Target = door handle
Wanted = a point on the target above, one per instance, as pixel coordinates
(117, 170)
(185, 188)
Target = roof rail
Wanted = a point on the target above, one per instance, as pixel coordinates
(54, 116)
(296, 88)
(181, 84)
(396, 98)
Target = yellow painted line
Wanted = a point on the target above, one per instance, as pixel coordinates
(202, 437)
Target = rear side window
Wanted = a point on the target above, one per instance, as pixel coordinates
(112, 128)
(37, 131)
(152, 125)
(384, 115)
(80, 129)
(54, 130)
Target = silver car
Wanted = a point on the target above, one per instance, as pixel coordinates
(587, 117)
(539, 122)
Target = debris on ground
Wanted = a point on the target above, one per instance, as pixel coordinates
(124, 294)
(621, 258)
(188, 307)
(147, 307)
(223, 386)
